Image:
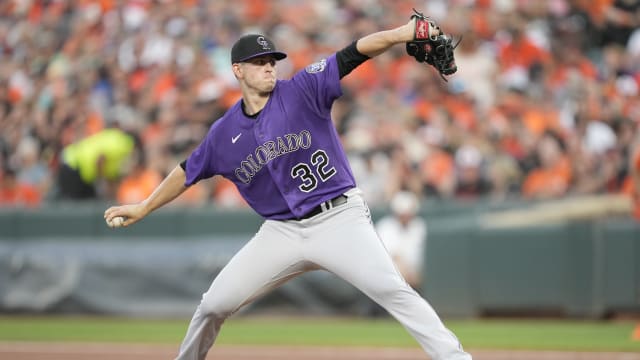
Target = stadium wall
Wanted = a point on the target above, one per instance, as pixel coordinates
(63, 259)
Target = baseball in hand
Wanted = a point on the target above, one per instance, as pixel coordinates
(116, 222)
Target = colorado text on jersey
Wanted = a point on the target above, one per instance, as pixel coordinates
(270, 150)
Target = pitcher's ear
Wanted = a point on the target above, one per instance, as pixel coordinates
(237, 69)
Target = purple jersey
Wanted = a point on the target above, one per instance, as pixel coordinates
(287, 160)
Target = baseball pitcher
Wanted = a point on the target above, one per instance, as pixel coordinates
(280, 148)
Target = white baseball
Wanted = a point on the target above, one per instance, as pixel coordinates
(116, 222)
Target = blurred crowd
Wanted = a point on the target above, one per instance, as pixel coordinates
(545, 103)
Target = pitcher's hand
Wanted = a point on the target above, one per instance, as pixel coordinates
(131, 213)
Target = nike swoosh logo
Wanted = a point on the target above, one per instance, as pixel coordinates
(235, 138)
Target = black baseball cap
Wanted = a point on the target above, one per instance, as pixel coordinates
(254, 45)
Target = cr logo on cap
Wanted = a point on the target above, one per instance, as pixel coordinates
(262, 41)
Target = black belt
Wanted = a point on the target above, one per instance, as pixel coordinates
(329, 204)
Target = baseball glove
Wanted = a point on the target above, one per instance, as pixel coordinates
(434, 49)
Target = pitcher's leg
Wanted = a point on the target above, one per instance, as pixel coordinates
(269, 259)
(352, 250)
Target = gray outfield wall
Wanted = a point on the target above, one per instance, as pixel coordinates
(63, 259)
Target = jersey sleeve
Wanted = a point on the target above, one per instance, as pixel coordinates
(200, 164)
(320, 84)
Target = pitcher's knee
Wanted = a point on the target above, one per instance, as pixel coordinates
(215, 307)
(393, 291)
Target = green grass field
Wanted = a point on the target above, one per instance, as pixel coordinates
(478, 334)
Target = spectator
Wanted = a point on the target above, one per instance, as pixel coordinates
(437, 167)
(525, 68)
(471, 181)
(519, 52)
(599, 168)
(552, 177)
(632, 183)
(621, 18)
(505, 177)
(226, 195)
(14, 193)
(32, 169)
(139, 182)
(404, 234)
(91, 167)
(477, 70)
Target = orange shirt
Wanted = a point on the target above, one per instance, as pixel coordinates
(462, 112)
(196, 195)
(548, 182)
(558, 77)
(438, 168)
(595, 8)
(256, 9)
(424, 109)
(226, 194)
(538, 120)
(365, 76)
(138, 186)
(20, 195)
(525, 53)
(163, 85)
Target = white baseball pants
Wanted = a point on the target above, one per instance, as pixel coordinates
(341, 240)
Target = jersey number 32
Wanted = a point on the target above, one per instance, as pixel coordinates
(310, 173)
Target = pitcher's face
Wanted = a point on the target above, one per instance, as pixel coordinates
(259, 73)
